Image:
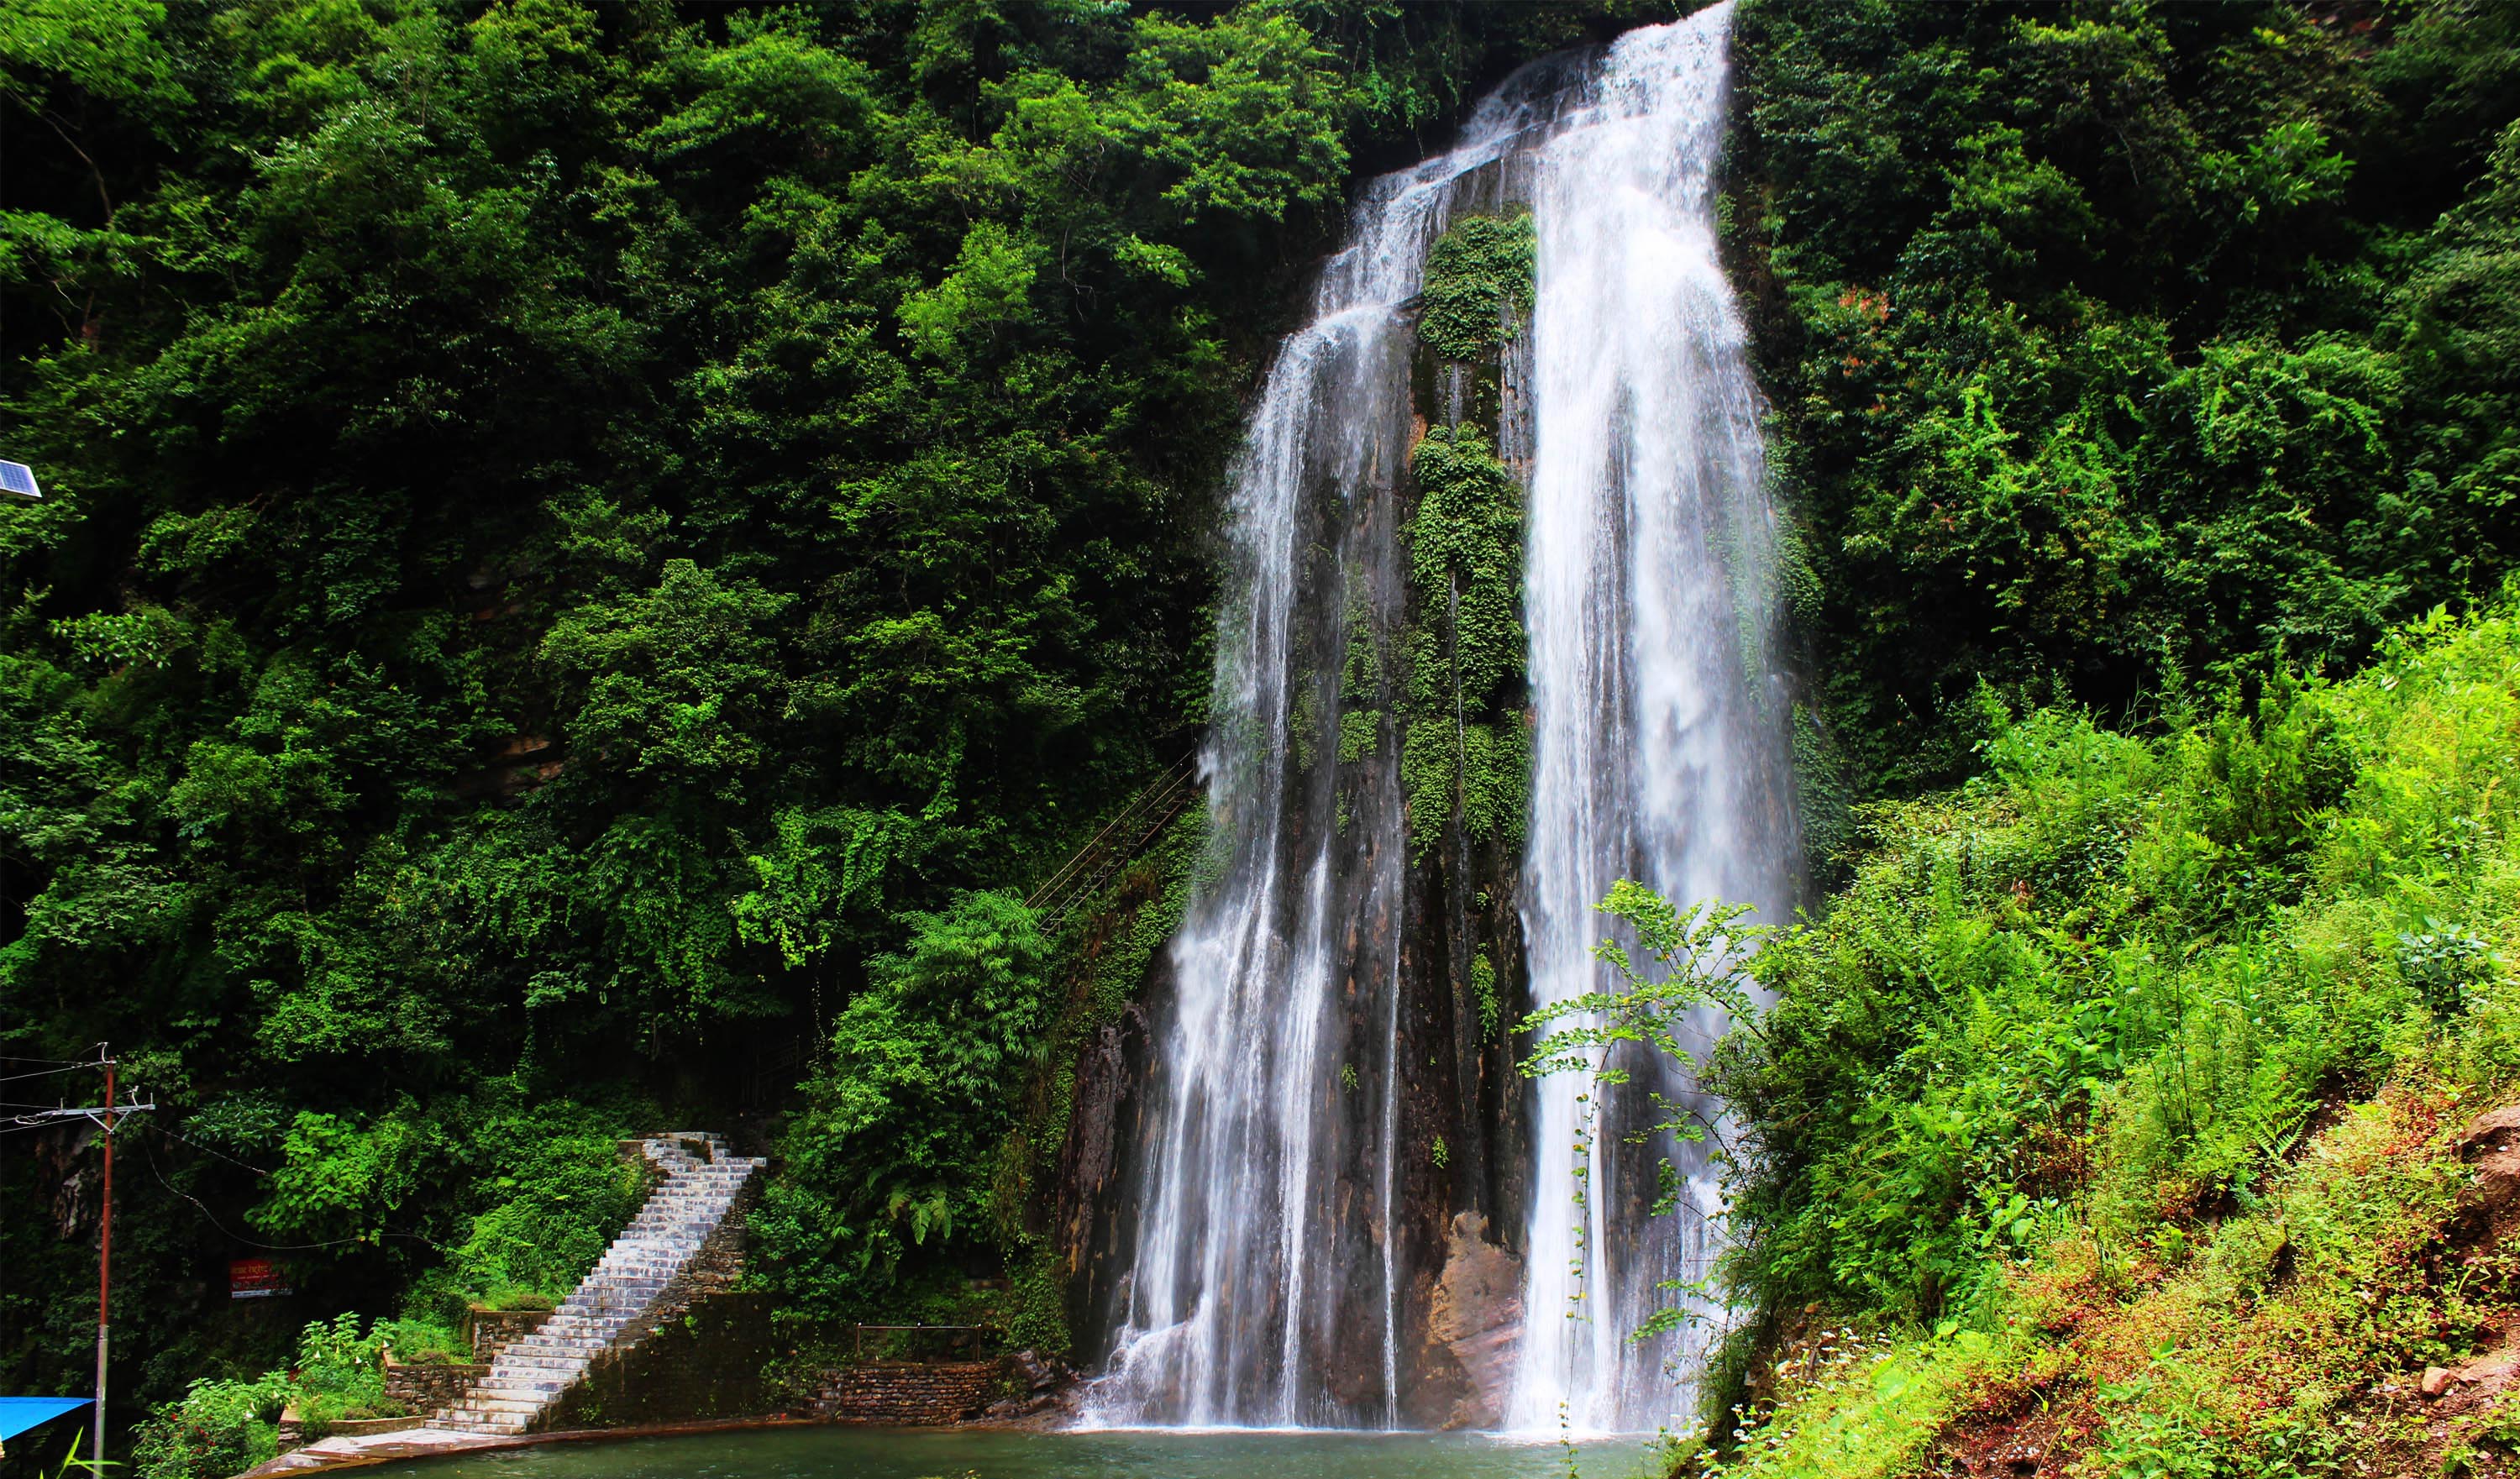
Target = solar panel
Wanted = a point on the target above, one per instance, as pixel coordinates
(18, 480)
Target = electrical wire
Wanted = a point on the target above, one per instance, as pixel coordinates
(204, 1149)
(213, 1221)
(46, 1072)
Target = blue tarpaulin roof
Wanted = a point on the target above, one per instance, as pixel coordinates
(18, 1413)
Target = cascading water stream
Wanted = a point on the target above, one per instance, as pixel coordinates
(1660, 746)
(1266, 1283)
(1264, 1287)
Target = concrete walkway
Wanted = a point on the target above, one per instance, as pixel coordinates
(431, 1443)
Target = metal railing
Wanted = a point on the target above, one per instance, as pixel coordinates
(1117, 844)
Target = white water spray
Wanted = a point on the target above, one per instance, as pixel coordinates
(1660, 745)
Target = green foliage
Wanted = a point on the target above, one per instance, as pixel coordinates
(559, 1192)
(1464, 744)
(895, 1150)
(2081, 1011)
(422, 1342)
(1037, 1316)
(219, 1429)
(524, 1196)
(1477, 286)
(2105, 343)
(2444, 964)
(337, 1363)
(1466, 558)
(1700, 959)
(1483, 991)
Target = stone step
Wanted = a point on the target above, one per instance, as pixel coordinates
(558, 1345)
(680, 1214)
(555, 1369)
(523, 1389)
(586, 1339)
(495, 1406)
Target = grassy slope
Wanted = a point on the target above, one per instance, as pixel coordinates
(2125, 1085)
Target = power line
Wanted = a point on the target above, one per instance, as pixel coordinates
(46, 1072)
(208, 1216)
(206, 1151)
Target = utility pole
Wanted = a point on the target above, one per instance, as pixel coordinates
(104, 1116)
(103, 1255)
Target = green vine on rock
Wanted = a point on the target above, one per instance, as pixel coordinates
(1465, 741)
(1474, 273)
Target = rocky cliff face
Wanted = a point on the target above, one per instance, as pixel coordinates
(1446, 677)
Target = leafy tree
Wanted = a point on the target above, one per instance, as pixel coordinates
(2102, 344)
(905, 1119)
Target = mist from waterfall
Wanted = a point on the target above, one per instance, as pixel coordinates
(1264, 1285)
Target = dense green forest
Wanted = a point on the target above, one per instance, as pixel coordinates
(587, 549)
(593, 554)
(2115, 347)
(2138, 374)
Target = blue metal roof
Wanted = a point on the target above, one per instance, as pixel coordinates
(18, 1413)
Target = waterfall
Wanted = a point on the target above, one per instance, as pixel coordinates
(1264, 1287)
(1276, 1269)
(1660, 751)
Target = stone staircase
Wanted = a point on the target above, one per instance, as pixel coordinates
(702, 1181)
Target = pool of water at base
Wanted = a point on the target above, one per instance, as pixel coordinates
(849, 1452)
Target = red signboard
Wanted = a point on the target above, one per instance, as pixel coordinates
(254, 1278)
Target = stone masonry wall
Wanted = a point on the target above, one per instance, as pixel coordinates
(424, 1389)
(698, 1352)
(707, 1363)
(908, 1392)
(492, 1330)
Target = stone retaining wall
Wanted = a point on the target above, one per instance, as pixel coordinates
(491, 1330)
(697, 1353)
(909, 1393)
(707, 1363)
(424, 1389)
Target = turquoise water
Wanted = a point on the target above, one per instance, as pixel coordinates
(843, 1453)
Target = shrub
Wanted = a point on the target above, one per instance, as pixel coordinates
(218, 1429)
(422, 1342)
(907, 1119)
